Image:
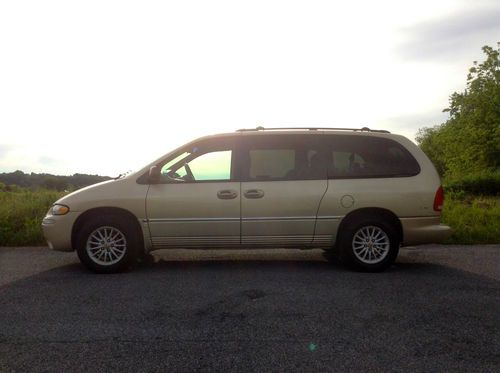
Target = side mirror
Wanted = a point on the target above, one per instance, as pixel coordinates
(154, 174)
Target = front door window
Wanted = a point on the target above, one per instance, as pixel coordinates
(197, 165)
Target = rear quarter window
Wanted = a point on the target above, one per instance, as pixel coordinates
(353, 157)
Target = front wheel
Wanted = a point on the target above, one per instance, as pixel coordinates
(107, 244)
(369, 245)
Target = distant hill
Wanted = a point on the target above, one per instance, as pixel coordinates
(48, 181)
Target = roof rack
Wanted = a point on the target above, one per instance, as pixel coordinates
(260, 128)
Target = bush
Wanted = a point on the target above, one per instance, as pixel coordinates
(474, 220)
(21, 214)
(482, 184)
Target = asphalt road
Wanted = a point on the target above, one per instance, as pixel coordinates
(437, 309)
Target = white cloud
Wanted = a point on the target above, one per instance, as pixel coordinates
(104, 86)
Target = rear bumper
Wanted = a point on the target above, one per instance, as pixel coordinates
(424, 230)
(57, 231)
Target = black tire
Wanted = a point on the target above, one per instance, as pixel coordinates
(359, 227)
(109, 223)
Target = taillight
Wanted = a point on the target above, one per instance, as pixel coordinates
(439, 199)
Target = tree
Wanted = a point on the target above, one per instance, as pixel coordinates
(54, 183)
(469, 141)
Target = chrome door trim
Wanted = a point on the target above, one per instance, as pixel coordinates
(277, 241)
(161, 220)
(323, 239)
(279, 218)
(165, 220)
(196, 242)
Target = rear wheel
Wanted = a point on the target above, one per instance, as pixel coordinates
(369, 244)
(107, 244)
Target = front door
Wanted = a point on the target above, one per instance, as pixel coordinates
(196, 203)
(283, 182)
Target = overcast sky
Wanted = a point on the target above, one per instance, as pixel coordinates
(107, 86)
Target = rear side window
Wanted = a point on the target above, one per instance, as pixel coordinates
(354, 157)
(271, 163)
(283, 157)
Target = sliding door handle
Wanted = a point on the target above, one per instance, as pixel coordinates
(254, 193)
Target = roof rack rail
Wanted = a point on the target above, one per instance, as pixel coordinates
(260, 128)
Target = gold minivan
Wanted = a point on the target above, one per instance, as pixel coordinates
(359, 194)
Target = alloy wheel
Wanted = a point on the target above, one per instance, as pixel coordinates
(106, 245)
(370, 244)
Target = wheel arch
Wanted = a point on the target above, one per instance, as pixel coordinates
(372, 212)
(102, 211)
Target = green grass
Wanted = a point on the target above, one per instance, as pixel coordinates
(475, 220)
(21, 215)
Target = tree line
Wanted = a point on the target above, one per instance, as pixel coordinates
(18, 179)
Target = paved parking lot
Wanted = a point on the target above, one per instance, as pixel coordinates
(438, 308)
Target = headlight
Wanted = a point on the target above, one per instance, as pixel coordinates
(59, 210)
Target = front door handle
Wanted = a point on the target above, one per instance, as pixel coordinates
(254, 193)
(227, 194)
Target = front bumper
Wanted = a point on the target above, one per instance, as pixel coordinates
(423, 230)
(57, 230)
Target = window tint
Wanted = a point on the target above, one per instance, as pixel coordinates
(174, 160)
(212, 166)
(197, 163)
(271, 163)
(365, 157)
(284, 157)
